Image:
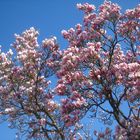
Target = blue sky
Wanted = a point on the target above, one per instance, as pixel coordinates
(48, 16)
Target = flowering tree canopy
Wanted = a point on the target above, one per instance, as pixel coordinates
(98, 75)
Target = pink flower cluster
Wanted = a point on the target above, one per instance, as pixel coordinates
(129, 25)
(109, 11)
(133, 131)
(87, 8)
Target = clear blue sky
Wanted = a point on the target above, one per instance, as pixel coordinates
(48, 16)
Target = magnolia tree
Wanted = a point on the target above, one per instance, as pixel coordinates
(26, 101)
(98, 78)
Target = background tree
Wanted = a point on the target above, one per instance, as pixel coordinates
(100, 70)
